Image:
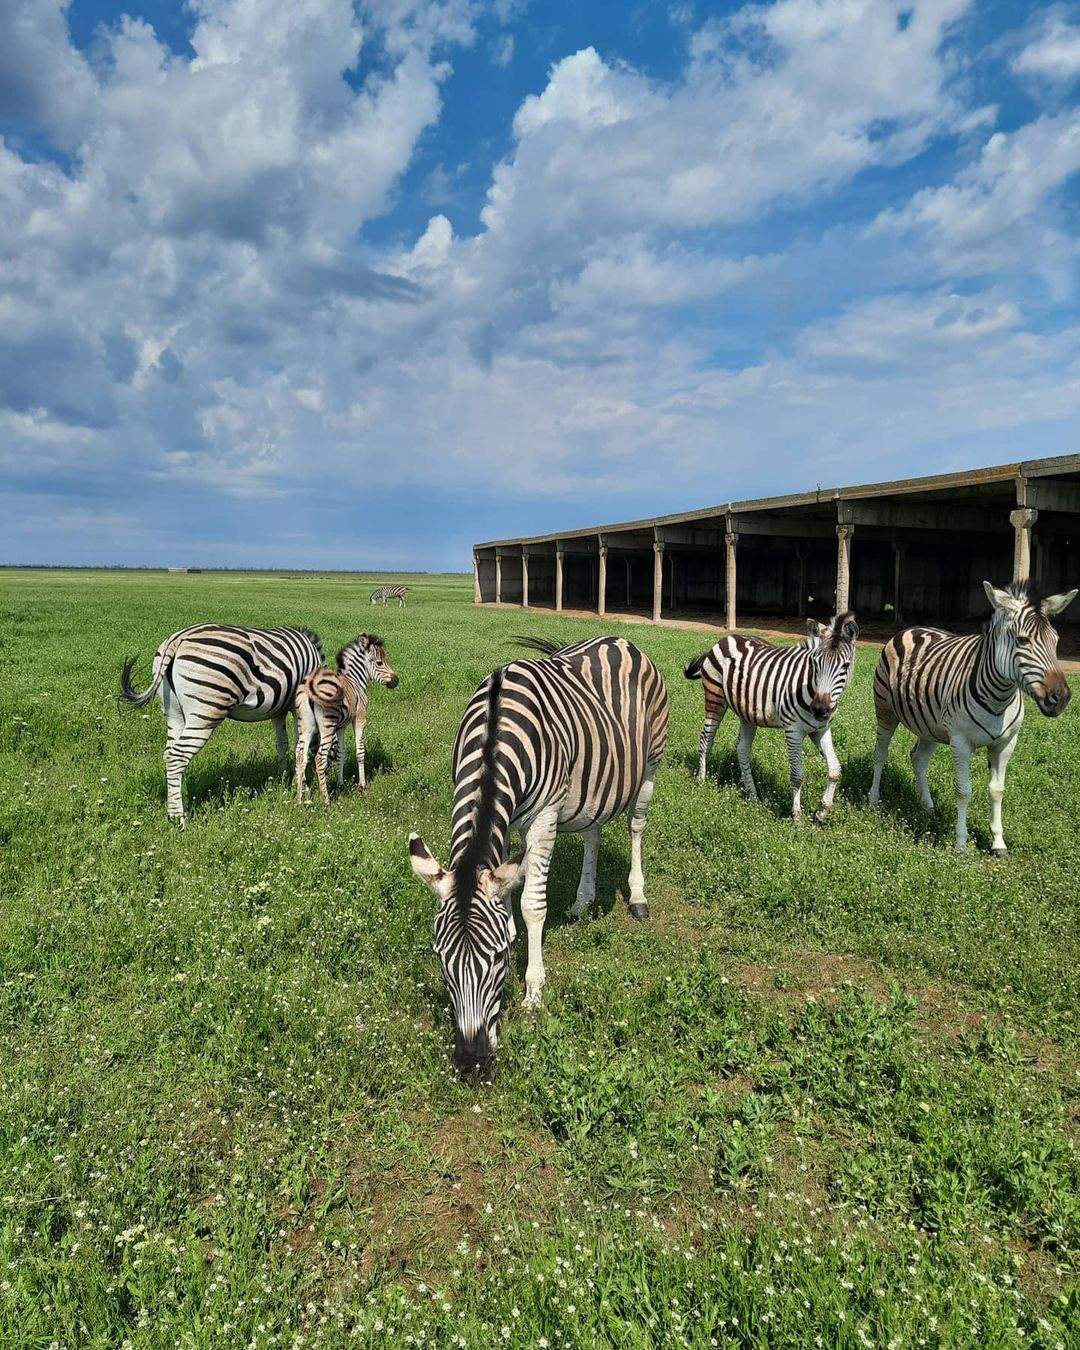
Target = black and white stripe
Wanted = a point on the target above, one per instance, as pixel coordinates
(385, 593)
(327, 700)
(797, 688)
(208, 672)
(968, 691)
(546, 746)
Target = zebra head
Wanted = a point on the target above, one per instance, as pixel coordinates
(1025, 642)
(369, 649)
(832, 656)
(472, 942)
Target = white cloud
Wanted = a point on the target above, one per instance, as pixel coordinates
(1055, 54)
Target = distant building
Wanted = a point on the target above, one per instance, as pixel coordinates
(185, 569)
(913, 550)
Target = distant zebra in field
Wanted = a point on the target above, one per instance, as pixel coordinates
(796, 688)
(207, 673)
(385, 593)
(327, 699)
(546, 746)
(969, 691)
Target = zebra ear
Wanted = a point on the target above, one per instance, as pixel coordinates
(502, 879)
(426, 867)
(1054, 604)
(1001, 599)
(815, 629)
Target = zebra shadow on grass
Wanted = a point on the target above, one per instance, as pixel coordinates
(774, 789)
(212, 786)
(900, 798)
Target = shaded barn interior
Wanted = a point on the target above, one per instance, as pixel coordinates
(912, 550)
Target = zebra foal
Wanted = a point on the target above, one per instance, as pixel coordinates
(207, 673)
(385, 593)
(561, 744)
(797, 688)
(328, 699)
(969, 691)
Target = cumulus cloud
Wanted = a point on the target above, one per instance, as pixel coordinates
(190, 300)
(1054, 54)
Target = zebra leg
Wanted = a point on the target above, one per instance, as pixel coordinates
(962, 760)
(281, 744)
(881, 756)
(360, 724)
(705, 743)
(327, 739)
(747, 732)
(305, 730)
(540, 841)
(639, 815)
(824, 742)
(183, 743)
(341, 756)
(797, 771)
(999, 755)
(920, 760)
(586, 891)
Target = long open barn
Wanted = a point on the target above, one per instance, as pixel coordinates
(914, 550)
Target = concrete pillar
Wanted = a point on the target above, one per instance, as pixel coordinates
(601, 584)
(657, 579)
(843, 566)
(498, 577)
(899, 551)
(476, 579)
(558, 576)
(1022, 521)
(800, 553)
(731, 543)
(524, 576)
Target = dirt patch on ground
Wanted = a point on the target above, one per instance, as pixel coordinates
(812, 975)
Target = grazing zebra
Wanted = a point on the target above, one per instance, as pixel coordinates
(797, 688)
(327, 699)
(385, 593)
(559, 744)
(207, 673)
(969, 691)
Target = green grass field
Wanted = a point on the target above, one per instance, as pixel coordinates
(828, 1096)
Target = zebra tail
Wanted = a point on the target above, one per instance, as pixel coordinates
(537, 644)
(693, 670)
(128, 694)
(326, 691)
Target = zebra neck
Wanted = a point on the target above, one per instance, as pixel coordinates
(995, 689)
(482, 816)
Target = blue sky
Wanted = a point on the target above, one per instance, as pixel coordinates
(323, 283)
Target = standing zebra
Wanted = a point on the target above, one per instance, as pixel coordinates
(207, 673)
(385, 593)
(327, 699)
(797, 688)
(546, 746)
(969, 691)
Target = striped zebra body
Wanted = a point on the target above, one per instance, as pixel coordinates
(207, 673)
(327, 700)
(968, 692)
(385, 593)
(562, 744)
(796, 688)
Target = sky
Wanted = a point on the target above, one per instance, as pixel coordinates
(357, 283)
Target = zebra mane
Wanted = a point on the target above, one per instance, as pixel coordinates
(475, 855)
(369, 639)
(313, 636)
(1026, 591)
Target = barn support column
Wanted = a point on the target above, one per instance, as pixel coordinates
(476, 578)
(657, 579)
(498, 577)
(1022, 520)
(525, 576)
(731, 543)
(601, 585)
(558, 574)
(899, 550)
(843, 566)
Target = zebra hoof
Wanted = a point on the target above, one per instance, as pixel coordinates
(820, 817)
(639, 910)
(999, 852)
